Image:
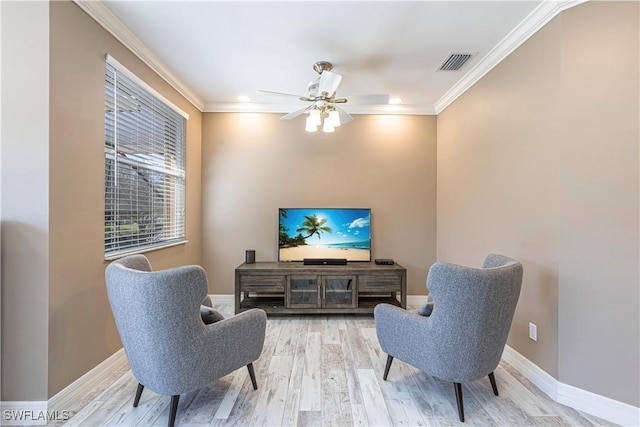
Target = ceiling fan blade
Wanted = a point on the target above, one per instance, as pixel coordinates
(363, 99)
(295, 114)
(329, 82)
(344, 116)
(288, 95)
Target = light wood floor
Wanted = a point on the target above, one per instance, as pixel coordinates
(327, 370)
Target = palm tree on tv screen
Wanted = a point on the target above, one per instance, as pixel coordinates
(314, 225)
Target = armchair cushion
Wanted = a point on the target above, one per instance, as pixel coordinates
(210, 315)
(425, 310)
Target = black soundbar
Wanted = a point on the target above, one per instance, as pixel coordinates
(324, 261)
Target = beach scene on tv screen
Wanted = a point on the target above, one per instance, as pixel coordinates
(324, 233)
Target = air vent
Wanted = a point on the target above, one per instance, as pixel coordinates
(455, 61)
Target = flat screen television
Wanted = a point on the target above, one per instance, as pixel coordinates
(326, 233)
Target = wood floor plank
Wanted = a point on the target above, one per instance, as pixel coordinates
(272, 395)
(501, 408)
(336, 406)
(405, 373)
(444, 411)
(291, 408)
(351, 375)
(287, 338)
(231, 395)
(390, 389)
(330, 330)
(159, 407)
(474, 413)
(206, 403)
(80, 416)
(134, 416)
(327, 370)
(297, 369)
(530, 404)
(309, 418)
(404, 412)
(358, 346)
(242, 411)
(183, 404)
(310, 391)
(374, 404)
(119, 401)
(359, 415)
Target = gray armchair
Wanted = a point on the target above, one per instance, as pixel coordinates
(170, 349)
(463, 338)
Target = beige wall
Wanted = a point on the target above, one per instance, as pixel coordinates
(599, 200)
(497, 183)
(24, 199)
(81, 328)
(255, 163)
(539, 160)
(67, 203)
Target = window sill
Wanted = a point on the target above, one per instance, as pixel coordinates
(117, 255)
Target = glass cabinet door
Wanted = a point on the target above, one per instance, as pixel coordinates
(303, 292)
(339, 291)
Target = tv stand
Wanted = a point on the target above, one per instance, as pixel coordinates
(295, 288)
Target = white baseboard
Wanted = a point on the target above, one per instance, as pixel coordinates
(223, 299)
(576, 398)
(416, 299)
(57, 408)
(600, 406)
(532, 372)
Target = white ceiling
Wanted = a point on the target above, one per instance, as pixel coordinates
(215, 51)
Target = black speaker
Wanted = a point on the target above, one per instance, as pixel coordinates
(324, 261)
(250, 256)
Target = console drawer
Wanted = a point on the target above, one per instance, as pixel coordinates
(380, 282)
(257, 283)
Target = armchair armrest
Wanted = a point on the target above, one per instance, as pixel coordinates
(207, 301)
(236, 341)
(404, 335)
(396, 326)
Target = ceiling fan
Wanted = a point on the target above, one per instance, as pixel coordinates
(323, 110)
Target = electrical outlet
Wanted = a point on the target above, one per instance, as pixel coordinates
(533, 331)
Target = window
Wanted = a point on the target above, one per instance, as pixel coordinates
(144, 166)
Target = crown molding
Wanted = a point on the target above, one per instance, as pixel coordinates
(250, 107)
(540, 16)
(103, 16)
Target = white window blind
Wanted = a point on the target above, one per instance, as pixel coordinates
(144, 166)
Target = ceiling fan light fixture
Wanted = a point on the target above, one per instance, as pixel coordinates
(310, 125)
(315, 117)
(334, 118)
(328, 127)
(324, 111)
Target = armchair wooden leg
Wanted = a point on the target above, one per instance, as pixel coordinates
(252, 374)
(387, 367)
(458, 388)
(173, 410)
(492, 379)
(138, 394)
